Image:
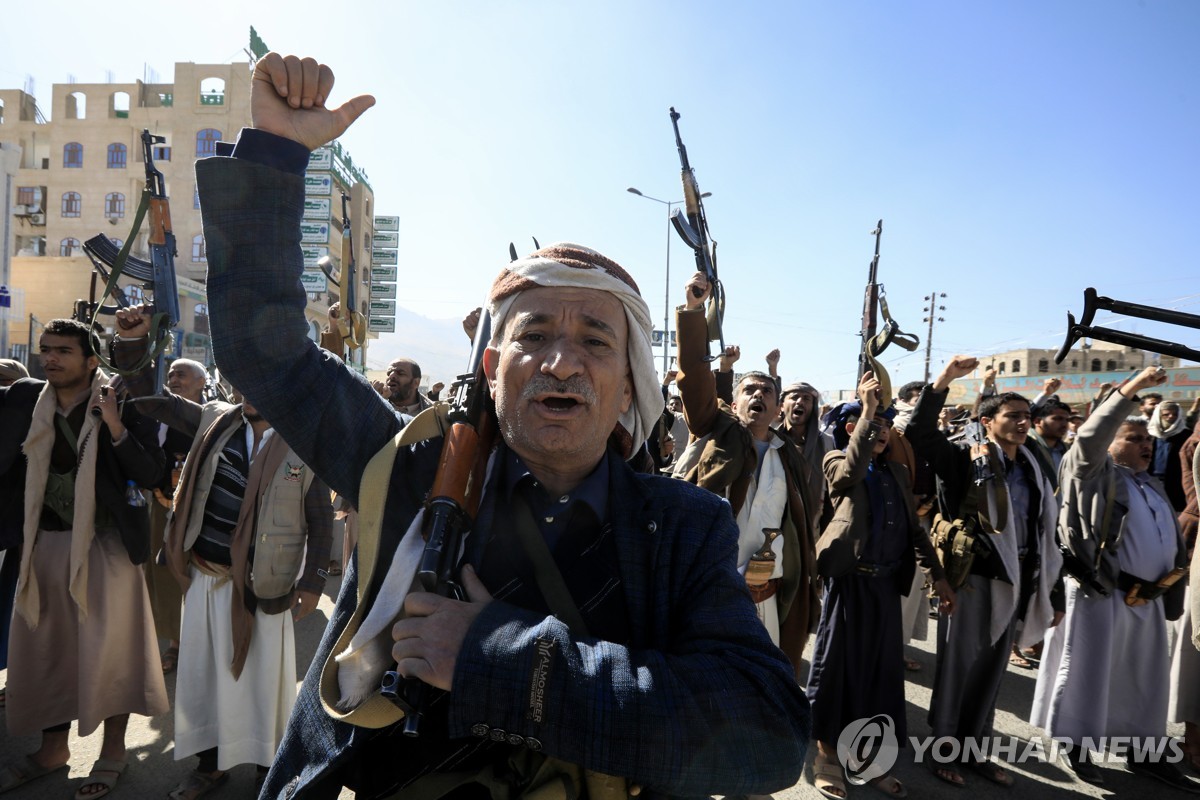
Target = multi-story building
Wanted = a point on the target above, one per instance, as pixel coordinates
(81, 173)
(1088, 356)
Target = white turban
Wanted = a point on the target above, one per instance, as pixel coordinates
(570, 265)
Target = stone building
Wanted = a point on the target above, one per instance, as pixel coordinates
(81, 173)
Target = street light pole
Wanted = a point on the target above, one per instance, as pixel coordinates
(667, 295)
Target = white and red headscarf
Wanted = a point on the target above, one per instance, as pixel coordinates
(570, 265)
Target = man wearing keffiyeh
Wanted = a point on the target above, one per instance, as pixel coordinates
(668, 683)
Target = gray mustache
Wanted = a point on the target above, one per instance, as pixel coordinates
(543, 384)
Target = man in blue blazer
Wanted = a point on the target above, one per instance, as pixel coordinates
(665, 679)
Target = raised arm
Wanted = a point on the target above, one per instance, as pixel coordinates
(253, 204)
(696, 382)
(1089, 453)
(922, 431)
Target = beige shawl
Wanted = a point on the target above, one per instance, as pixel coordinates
(37, 448)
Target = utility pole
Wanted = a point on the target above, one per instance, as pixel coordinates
(932, 310)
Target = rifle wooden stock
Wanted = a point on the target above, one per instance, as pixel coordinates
(160, 220)
(451, 509)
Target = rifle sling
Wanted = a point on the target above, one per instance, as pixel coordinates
(970, 504)
(545, 571)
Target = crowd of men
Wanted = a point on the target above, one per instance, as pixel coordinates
(647, 556)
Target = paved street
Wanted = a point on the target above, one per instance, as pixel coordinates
(153, 772)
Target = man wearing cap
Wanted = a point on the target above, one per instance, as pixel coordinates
(672, 686)
(737, 454)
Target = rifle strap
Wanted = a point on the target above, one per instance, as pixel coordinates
(159, 339)
(1110, 491)
(970, 506)
(545, 572)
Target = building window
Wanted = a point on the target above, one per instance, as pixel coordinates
(134, 294)
(196, 197)
(71, 204)
(120, 105)
(206, 142)
(198, 251)
(116, 156)
(212, 92)
(77, 105)
(1043, 365)
(68, 247)
(27, 196)
(1110, 365)
(118, 242)
(73, 155)
(161, 153)
(200, 320)
(1074, 364)
(1000, 368)
(1095, 365)
(114, 205)
(1016, 365)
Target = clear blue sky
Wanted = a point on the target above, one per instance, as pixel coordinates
(1017, 150)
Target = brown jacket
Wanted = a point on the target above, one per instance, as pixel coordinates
(724, 467)
(841, 543)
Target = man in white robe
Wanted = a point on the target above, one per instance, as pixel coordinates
(1106, 669)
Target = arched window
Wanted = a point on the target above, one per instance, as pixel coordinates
(200, 318)
(134, 294)
(198, 251)
(212, 92)
(69, 247)
(77, 105)
(73, 155)
(120, 105)
(71, 204)
(114, 205)
(1043, 365)
(1000, 368)
(1095, 365)
(1110, 365)
(116, 156)
(1016, 365)
(206, 142)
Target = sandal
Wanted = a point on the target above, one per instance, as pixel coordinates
(197, 784)
(947, 773)
(170, 659)
(335, 569)
(22, 772)
(1018, 660)
(105, 773)
(912, 665)
(827, 777)
(889, 786)
(993, 772)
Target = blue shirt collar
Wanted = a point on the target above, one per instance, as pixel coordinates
(593, 491)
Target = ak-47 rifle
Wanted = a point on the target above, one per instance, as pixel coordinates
(156, 275)
(874, 341)
(694, 231)
(351, 323)
(451, 508)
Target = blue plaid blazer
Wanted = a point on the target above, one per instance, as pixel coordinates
(698, 702)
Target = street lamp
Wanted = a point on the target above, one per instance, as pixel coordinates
(667, 299)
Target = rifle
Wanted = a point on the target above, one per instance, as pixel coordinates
(157, 274)
(351, 324)
(451, 508)
(874, 342)
(694, 232)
